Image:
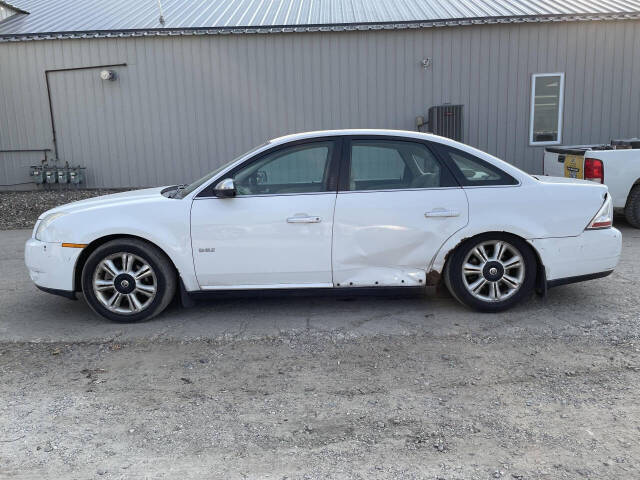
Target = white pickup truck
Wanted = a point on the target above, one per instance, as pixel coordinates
(617, 165)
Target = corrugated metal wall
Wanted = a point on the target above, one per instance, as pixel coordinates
(183, 105)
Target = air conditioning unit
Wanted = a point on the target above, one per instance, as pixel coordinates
(446, 121)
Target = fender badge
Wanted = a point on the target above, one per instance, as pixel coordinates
(206, 250)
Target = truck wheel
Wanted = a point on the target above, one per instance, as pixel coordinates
(632, 209)
(128, 280)
(491, 272)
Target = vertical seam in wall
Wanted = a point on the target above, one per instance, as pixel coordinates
(603, 74)
(584, 78)
(633, 61)
(508, 92)
(569, 80)
(517, 100)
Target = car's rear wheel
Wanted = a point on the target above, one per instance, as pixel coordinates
(128, 280)
(632, 209)
(491, 272)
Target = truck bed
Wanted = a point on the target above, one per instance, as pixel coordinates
(621, 165)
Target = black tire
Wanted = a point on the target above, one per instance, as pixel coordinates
(456, 281)
(164, 279)
(632, 209)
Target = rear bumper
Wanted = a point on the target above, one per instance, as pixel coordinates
(593, 254)
(51, 267)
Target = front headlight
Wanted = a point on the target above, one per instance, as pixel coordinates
(45, 222)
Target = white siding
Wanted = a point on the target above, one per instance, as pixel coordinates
(183, 105)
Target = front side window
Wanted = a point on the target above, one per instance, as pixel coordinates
(298, 169)
(192, 186)
(473, 171)
(547, 90)
(394, 165)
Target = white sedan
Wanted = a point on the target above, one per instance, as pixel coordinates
(340, 210)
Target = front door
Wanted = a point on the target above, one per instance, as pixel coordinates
(276, 232)
(396, 209)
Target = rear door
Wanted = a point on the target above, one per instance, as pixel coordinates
(396, 206)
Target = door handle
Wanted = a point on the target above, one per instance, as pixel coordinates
(304, 219)
(441, 212)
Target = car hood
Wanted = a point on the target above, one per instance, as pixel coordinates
(114, 199)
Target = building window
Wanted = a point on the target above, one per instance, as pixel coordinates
(545, 125)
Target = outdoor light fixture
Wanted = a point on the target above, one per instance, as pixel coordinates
(108, 75)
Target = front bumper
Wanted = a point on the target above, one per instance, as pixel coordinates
(51, 267)
(592, 254)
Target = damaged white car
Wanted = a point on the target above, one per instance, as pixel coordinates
(340, 210)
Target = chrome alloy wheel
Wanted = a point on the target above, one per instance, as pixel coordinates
(124, 283)
(493, 271)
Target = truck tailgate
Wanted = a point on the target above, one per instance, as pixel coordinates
(565, 161)
(553, 164)
(568, 165)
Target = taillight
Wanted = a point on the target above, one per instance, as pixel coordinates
(593, 170)
(604, 217)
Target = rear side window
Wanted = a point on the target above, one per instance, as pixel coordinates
(473, 171)
(395, 165)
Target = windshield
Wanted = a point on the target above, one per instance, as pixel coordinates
(192, 186)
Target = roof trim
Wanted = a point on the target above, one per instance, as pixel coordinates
(337, 27)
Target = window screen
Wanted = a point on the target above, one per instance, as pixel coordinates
(546, 108)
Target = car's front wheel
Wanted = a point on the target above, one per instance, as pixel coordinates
(491, 272)
(128, 280)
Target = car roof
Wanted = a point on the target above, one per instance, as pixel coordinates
(358, 131)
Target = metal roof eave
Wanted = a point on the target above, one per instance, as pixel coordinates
(337, 27)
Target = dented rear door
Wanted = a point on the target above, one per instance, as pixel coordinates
(387, 225)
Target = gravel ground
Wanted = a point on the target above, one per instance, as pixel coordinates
(314, 406)
(22, 209)
(323, 388)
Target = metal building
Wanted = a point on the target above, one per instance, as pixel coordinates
(150, 93)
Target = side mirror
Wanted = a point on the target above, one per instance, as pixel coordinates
(225, 188)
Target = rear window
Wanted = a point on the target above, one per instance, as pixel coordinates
(473, 171)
